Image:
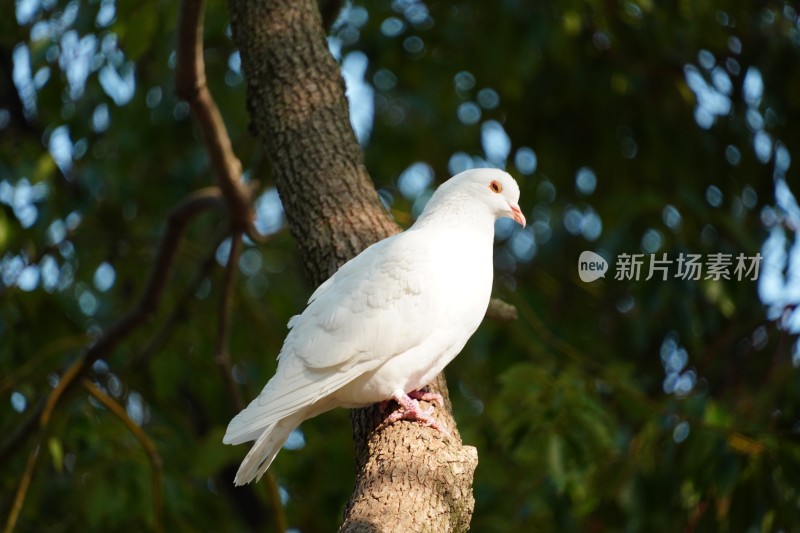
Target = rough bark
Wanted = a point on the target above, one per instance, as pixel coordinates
(298, 110)
(408, 476)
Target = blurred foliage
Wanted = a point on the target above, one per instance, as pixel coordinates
(616, 405)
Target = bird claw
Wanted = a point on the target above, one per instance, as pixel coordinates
(426, 396)
(411, 410)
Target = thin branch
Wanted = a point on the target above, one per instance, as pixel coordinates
(63, 383)
(177, 221)
(223, 361)
(181, 305)
(191, 86)
(22, 431)
(37, 361)
(501, 310)
(221, 353)
(44, 419)
(156, 464)
(22, 490)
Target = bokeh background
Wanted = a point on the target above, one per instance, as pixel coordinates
(633, 127)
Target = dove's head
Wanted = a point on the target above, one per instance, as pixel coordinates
(490, 186)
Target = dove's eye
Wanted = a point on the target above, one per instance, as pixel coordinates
(496, 187)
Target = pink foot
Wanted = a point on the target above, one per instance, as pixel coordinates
(412, 411)
(423, 396)
(427, 396)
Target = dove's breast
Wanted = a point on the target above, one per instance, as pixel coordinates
(463, 284)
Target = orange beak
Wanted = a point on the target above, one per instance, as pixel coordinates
(518, 216)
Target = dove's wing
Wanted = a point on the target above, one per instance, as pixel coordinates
(382, 303)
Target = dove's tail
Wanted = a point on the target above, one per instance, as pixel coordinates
(265, 449)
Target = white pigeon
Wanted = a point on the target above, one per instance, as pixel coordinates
(388, 321)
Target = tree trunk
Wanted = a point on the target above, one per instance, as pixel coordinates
(408, 477)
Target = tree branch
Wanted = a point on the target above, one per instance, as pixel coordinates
(181, 305)
(156, 464)
(431, 476)
(221, 354)
(190, 85)
(501, 311)
(177, 221)
(300, 113)
(22, 490)
(38, 360)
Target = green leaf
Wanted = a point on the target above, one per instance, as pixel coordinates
(555, 462)
(57, 453)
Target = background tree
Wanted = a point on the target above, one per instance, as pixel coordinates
(634, 128)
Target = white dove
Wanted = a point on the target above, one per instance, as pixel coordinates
(388, 321)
